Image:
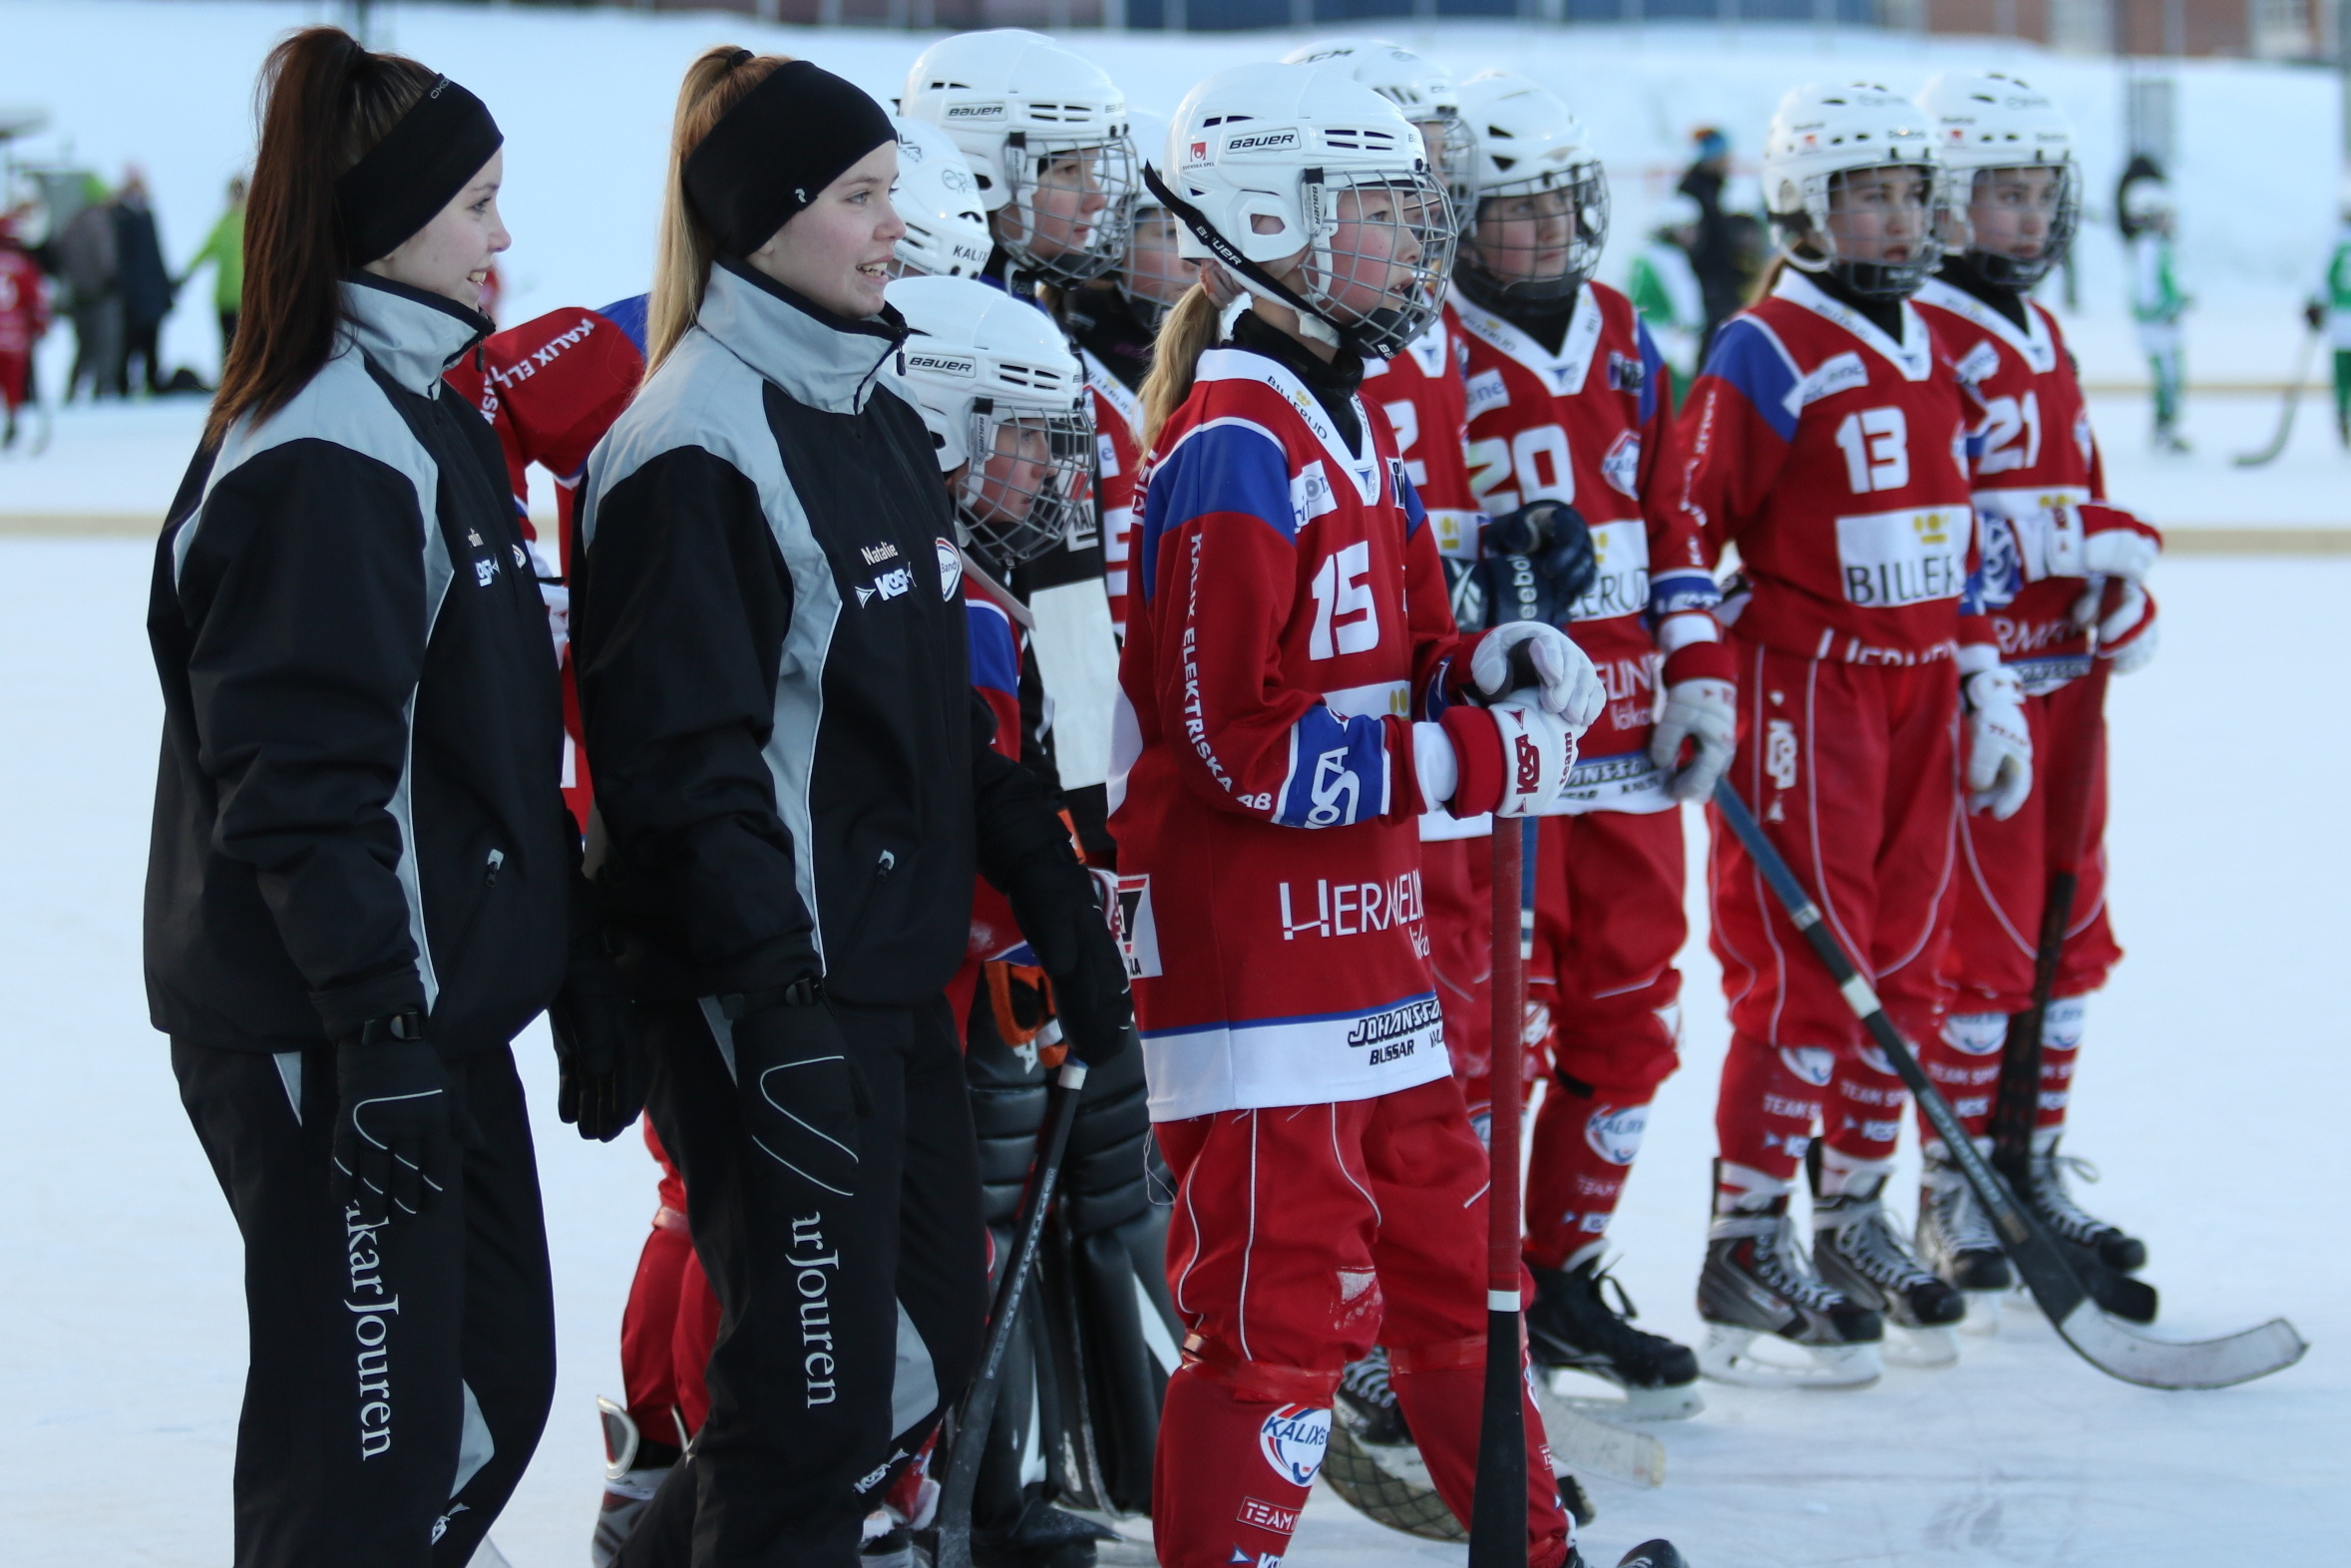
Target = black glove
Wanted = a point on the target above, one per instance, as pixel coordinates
(395, 1139)
(599, 1042)
(1055, 900)
(802, 1097)
(2315, 314)
(1535, 562)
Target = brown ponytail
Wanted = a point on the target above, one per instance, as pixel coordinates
(717, 82)
(322, 102)
(1189, 331)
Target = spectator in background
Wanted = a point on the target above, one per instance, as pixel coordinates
(144, 280)
(24, 316)
(86, 259)
(1714, 253)
(225, 249)
(1664, 290)
(2329, 311)
(2157, 301)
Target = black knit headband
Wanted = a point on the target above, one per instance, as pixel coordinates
(423, 162)
(774, 153)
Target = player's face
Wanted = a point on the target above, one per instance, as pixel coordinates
(1879, 214)
(1013, 471)
(1153, 269)
(1065, 204)
(1376, 249)
(2012, 210)
(1526, 238)
(838, 249)
(451, 255)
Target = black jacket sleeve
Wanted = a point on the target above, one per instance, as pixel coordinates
(304, 594)
(1013, 819)
(679, 614)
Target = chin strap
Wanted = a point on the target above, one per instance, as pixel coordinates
(1311, 324)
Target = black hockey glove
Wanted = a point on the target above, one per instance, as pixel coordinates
(600, 1052)
(395, 1138)
(1055, 900)
(802, 1097)
(1535, 562)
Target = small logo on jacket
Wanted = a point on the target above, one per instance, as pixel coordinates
(888, 586)
(951, 566)
(1293, 1440)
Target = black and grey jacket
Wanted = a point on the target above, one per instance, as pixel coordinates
(356, 812)
(792, 774)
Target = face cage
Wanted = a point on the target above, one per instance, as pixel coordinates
(1423, 213)
(1057, 499)
(2008, 270)
(1586, 185)
(1453, 155)
(1876, 279)
(1149, 311)
(1119, 175)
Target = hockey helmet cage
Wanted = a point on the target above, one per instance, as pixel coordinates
(1272, 165)
(1984, 124)
(1530, 145)
(1004, 401)
(1821, 136)
(1419, 87)
(1046, 133)
(1154, 275)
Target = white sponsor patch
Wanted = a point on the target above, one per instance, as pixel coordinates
(1839, 374)
(1138, 933)
(1293, 1440)
(1621, 466)
(1810, 1063)
(1309, 494)
(1615, 1134)
(951, 566)
(1912, 557)
(1621, 587)
(1487, 393)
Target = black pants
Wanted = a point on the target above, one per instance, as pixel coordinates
(399, 1376)
(846, 1324)
(140, 342)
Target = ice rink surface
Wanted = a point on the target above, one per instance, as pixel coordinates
(2210, 1092)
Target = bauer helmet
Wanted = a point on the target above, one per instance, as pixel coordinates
(1154, 275)
(1855, 157)
(1004, 401)
(1313, 193)
(1045, 134)
(2008, 152)
(1540, 214)
(938, 202)
(1419, 87)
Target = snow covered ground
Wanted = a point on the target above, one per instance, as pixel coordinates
(2210, 1092)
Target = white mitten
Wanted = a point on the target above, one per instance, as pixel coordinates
(1704, 713)
(1565, 683)
(2135, 652)
(1538, 753)
(1999, 746)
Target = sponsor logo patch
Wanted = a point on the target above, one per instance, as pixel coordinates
(1258, 1514)
(951, 566)
(1810, 1063)
(1293, 1438)
(1615, 1133)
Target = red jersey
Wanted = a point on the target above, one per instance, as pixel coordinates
(1591, 425)
(1835, 459)
(1117, 415)
(2035, 461)
(1293, 623)
(1421, 393)
(24, 301)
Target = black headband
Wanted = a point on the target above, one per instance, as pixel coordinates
(423, 162)
(774, 153)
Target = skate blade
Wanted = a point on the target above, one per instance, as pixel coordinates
(1723, 1357)
(1930, 1348)
(1576, 1391)
(1983, 1313)
(1586, 1442)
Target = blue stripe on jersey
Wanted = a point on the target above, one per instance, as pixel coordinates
(1747, 356)
(1672, 591)
(629, 316)
(1653, 372)
(995, 663)
(1220, 466)
(1414, 512)
(1338, 771)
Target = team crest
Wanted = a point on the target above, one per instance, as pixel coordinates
(1293, 1440)
(1622, 466)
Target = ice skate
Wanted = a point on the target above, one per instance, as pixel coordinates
(1042, 1537)
(1653, 1554)
(628, 1487)
(1368, 1401)
(1954, 1238)
(888, 1543)
(1757, 1282)
(1572, 1328)
(2045, 1190)
(1858, 1254)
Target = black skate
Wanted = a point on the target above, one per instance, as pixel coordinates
(1368, 1401)
(1653, 1554)
(1572, 1327)
(2045, 1190)
(1042, 1537)
(1954, 1238)
(628, 1486)
(1860, 1256)
(1756, 1281)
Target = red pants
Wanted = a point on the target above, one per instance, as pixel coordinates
(671, 1321)
(1854, 771)
(1455, 881)
(1609, 919)
(1302, 1236)
(15, 370)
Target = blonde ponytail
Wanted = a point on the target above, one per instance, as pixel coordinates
(714, 84)
(1189, 331)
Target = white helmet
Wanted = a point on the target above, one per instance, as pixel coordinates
(1986, 121)
(1153, 276)
(1045, 134)
(1824, 132)
(1275, 161)
(1004, 400)
(1419, 86)
(938, 202)
(1530, 144)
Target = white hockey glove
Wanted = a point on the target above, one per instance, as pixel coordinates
(1538, 656)
(1706, 713)
(2131, 654)
(1538, 753)
(1999, 746)
(2116, 548)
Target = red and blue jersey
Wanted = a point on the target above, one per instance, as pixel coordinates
(1292, 626)
(1834, 458)
(1419, 391)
